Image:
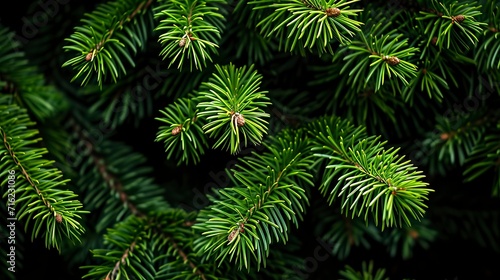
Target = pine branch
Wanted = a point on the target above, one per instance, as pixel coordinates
(190, 31)
(183, 135)
(371, 179)
(308, 24)
(38, 199)
(232, 104)
(269, 193)
(377, 55)
(127, 254)
(102, 164)
(452, 25)
(113, 32)
(153, 247)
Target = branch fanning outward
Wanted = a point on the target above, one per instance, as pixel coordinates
(36, 197)
(371, 179)
(452, 26)
(308, 24)
(183, 135)
(191, 31)
(232, 105)
(158, 246)
(378, 55)
(112, 33)
(269, 193)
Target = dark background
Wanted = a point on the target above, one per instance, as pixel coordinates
(450, 257)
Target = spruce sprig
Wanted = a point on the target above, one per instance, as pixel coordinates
(182, 135)
(112, 33)
(40, 201)
(371, 180)
(452, 24)
(233, 105)
(376, 56)
(269, 193)
(309, 24)
(189, 31)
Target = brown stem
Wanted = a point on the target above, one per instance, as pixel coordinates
(185, 258)
(122, 260)
(25, 173)
(111, 179)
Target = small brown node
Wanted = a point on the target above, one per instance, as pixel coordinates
(123, 196)
(458, 18)
(393, 60)
(413, 234)
(177, 130)
(240, 120)
(333, 12)
(232, 235)
(89, 56)
(444, 136)
(182, 42)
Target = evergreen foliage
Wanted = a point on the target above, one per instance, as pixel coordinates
(354, 139)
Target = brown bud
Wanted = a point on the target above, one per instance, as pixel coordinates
(123, 196)
(240, 120)
(393, 60)
(444, 136)
(458, 18)
(89, 56)
(413, 233)
(182, 42)
(232, 235)
(434, 40)
(177, 130)
(59, 218)
(333, 12)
